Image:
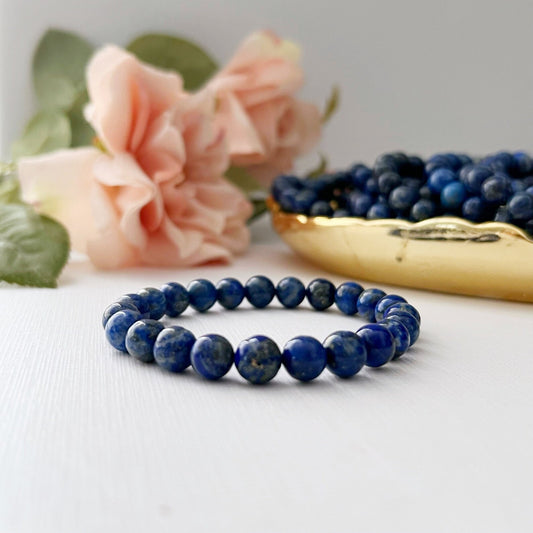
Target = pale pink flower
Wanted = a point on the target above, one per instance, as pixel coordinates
(158, 196)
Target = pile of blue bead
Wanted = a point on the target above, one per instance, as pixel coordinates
(132, 325)
(498, 187)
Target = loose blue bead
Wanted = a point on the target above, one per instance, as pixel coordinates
(524, 163)
(212, 356)
(141, 303)
(379, 343)
(117, 326)
(403, 197)
(422, 210)
(359, 204)
(230, 293)
(287, 200)
(473, 178)
(400, 334)
(290, 292)
(303, 200)
(474, 208)
(115, 308)
(320, 294)
(521, 206)
(379, 210)
(346, 353)
(408, 320)
(384, 303)
(259, 291)
(304, 358)
(140, 339)
(404, 306)
(388, 181)
(155, 300)
(367, 301)
(440, 178)
(346, 297)
(202, 294)
(372, 187)
(453, 195)
(496, 189)
(281, 183)
(176, 297)
(172, 348)
(258, 359)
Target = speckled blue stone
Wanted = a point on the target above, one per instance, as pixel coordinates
(117, 326)
(367, 301)
(304, 358)
(140, 303)
(346, 297)
(408, 320)
(177, 298)
(155, 301)
(114, 308)
(259, 291)
(453, 195)
(320, 294)
(258, 359)
(202, 294)
(172, 348)
(379, 343)
(290, 292)
(404, 306)
(212, 356)
(384, 303)
(346, 353)
(230, 293)
(400, 334)
(140, 339)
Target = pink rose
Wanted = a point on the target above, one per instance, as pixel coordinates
(266, 127)
(158, 196)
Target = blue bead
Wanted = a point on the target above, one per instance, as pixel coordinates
(502, 215)
(290, 292)
(346, 297)
(258, 359)
(379, 343)
(521, 206)
(114, 308)
(440, 178)
(523, 162)
(117, 326)
(202, 294)
(303, 200)
(372, 187)
(172, 348)
(425, 192)
(403, 197)
(287, 200)
(388, 181)
(155, 300)
(378, 210)
(404, 306)
(346, 353)
(320, 294)
(230, 293)
(359, 204)
(408, 320)
(453, 195)
(496, 189)
(400, 334)
(474, 208)
(177, 298)
(518, 186)
(384, 303)
(473, 178)
(259, 291)
(367, 301)
(304, 358)
(212, 356)
(422, 210)
(281, 183)
(140, 303)
(140, 339)
(321, 208)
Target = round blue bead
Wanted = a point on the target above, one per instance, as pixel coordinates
(453, 195)
(258, 359)
(379, 343)
(404, 306)
(384, 303)
(473, 178)
(117, 326)
(230, 293)
(388, 181)
(212, 356)
(496, 189)
(155, 300)
(523, 162)
(400, 334)
(202, 294)
(320, 294)
(372, 187)
(303, 201)
(403, 197)
(346, 353)
(422, 210)
(281, 183)
(177, 298)
(474, 208)
(408, 320)
(359, 204)
(346, 297)
(290, 292)
(259, 291)
(367, 301)
(304, 358)
(140, 302)
(521, 206)
(114, 308)
(140, 339)
(440, 178)
(172, 348)
(321, 208)
(287, 200)
(378, 210)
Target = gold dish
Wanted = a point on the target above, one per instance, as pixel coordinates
(444, 254)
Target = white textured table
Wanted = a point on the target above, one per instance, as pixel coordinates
(92, 441)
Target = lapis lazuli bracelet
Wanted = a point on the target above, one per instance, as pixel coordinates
(132, 325)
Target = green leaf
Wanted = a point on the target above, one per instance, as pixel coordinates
(240, 177)
(260, 207)
(33, 248)
(320, 168)
(59, 68)
(9, 190)
(175, 53)
(82, 132)
(332, 104)
(46, 131)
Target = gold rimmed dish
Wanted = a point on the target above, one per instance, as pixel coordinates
(445, 254)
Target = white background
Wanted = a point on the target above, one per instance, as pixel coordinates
(91, 441)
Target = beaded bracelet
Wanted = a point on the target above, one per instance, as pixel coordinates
(132, 325)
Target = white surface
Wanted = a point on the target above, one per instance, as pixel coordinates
(92, 441)
(416, 75)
